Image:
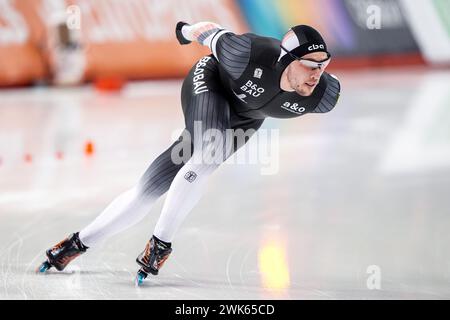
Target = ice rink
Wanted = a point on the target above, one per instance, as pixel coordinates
(354, 198)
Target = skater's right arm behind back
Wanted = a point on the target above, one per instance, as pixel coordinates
(231, 50)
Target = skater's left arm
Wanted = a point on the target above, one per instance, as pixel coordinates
(231, 50)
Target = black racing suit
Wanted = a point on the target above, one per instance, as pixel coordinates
(237, 87)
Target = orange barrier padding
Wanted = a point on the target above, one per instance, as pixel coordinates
(21, 43)
(140, 42)
(20, 65)
(128, 39)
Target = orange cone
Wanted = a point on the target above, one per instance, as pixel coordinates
(109, 84)
(89, 148)
(28, 158)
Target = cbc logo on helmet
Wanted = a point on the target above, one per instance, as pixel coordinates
(316, 46)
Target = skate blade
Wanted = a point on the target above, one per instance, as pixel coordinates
(140, 277)
(43, 267)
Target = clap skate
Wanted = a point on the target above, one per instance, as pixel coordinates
(63, 253)
(152, 258)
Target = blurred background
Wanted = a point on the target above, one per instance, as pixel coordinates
(75, 41)
(359, 208)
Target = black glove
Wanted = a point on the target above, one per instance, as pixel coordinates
(179, 34)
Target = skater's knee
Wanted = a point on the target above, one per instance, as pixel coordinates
(212, 153)
(153, 188)
(132, 194)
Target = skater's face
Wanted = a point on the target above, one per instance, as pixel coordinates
(303, 79)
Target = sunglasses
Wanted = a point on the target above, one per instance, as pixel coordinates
(310, 63)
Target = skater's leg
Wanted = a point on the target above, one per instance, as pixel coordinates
(207, 117)
(209, 110)
(213, 112)
(187, 189)
(133, 205)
